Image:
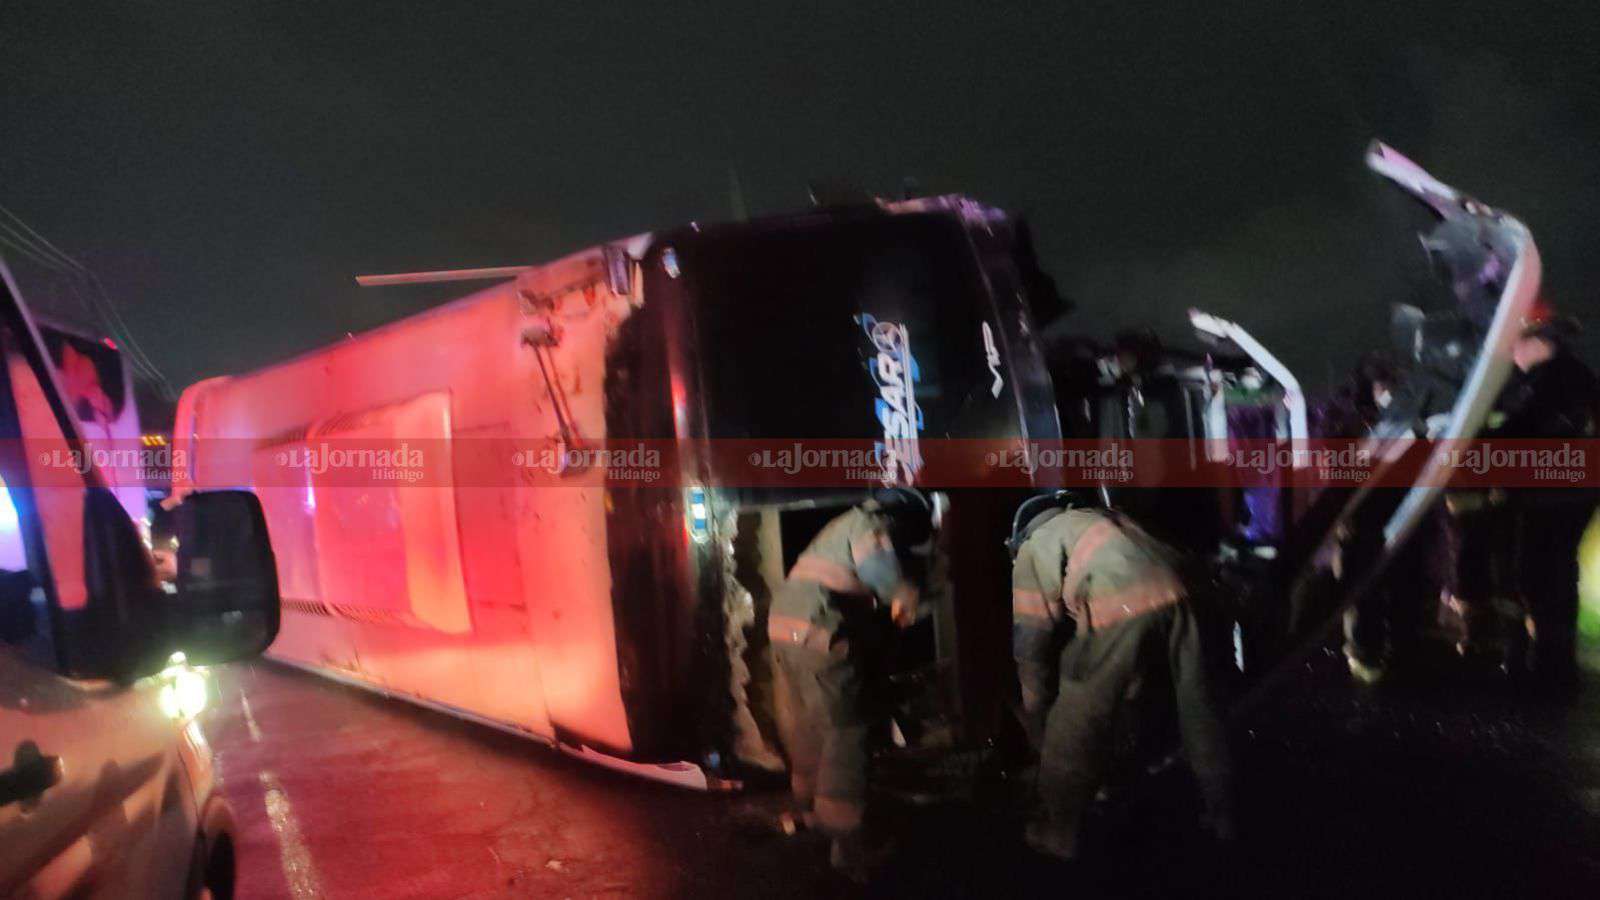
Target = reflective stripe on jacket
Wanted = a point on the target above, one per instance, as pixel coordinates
(1097, 567)
(804, 610)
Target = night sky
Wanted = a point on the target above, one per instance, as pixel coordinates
(227, 167)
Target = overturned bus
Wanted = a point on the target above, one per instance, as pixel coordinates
(619, 615)
(617, 611)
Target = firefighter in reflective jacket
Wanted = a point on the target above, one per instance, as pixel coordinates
(1098, 605)
(824, 625)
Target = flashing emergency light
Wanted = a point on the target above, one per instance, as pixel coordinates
(13, 555)
(699, 515)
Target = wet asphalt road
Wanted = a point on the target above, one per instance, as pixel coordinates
(338, 793)
(1453, 786)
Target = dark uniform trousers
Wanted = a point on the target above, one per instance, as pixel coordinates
(1547, 577)
(1558, 400)
(825, 728)
(1388, 620)
(826, 640)
(1099, 575)
(1096, 672)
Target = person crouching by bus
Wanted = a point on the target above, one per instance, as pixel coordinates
(1098, 605)
(826, 625)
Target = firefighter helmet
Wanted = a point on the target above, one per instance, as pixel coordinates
(1542, 321)
(1032, 508)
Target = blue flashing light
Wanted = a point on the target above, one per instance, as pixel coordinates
(699, 515)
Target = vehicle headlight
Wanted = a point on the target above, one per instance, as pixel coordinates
(184, 689)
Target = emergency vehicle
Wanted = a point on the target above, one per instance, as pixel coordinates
(107, 785)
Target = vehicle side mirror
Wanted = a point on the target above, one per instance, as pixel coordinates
(119, 631)
(226, 602)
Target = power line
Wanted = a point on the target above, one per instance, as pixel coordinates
(41, 239)
(73, 274)
(87, 307)
(38, 248)
(105, 307)
(86, 300)
(69, 277)
(30, 253)
(153, 370)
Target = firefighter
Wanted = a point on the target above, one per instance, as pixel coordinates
(1524, 541)
(1098, 606)
(1553, 397)
(828, 622)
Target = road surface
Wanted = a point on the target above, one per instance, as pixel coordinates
(1456, 788)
